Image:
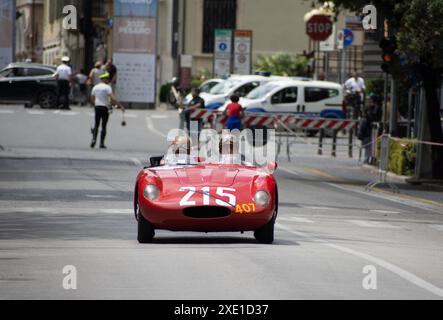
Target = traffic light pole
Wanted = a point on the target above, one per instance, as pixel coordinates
(385, 104)
(394, 107)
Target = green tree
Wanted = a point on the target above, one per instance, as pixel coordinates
(282, 64)
(417, 27)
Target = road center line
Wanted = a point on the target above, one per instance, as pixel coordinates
(151, 127)
(408, 276)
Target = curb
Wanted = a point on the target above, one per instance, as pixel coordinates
(391, 176)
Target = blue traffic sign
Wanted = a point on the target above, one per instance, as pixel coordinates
(223, 46)
(348, 37)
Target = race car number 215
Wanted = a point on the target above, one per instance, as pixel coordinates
(222, 197)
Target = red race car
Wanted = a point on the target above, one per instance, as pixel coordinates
(182, 193)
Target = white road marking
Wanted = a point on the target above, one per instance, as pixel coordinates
(319, 208)
(373, 224)
(152, 128)
(7, 111)
(98, 196)
(159, 116)
(130, 115)
(74, 211)
(296, 219)
(116, 211)
(35, 112)
(408, 276)
(136, 161)
(69, 113)
(385, 211)
(438, 227)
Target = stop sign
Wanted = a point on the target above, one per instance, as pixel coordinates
(319, 27)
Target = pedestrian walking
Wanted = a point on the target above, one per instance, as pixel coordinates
(235, 113)
(94, 75)
(112, 70)
(197, 102)
(372, 115)
(364, 133)
(81, 79)
(63, 75)
(103, 99)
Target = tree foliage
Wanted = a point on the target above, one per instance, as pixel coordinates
(282, 64)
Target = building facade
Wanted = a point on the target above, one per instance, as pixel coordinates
(187, 28)
(29, 30)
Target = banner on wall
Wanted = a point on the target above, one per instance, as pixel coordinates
(7, 43)
(242, 52)
(135, 49)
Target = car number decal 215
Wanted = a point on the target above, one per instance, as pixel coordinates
(226, 196)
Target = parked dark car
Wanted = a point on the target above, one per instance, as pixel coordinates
(29, 83)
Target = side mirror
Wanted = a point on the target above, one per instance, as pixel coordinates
(156, 161)
(272, 166)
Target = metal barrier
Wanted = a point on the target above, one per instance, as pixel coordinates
(288, 126)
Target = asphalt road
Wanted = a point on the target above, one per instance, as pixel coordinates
(63, 204)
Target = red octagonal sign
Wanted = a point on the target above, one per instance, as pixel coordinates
(319, 27)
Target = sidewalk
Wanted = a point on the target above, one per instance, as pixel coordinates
(352, 175)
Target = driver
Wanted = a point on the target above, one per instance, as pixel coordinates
(180, 152)
(229, 150)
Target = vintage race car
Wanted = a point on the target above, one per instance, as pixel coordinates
(188, 195)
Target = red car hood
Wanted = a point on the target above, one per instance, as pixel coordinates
(200, 175)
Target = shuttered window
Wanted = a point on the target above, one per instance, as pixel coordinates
(217, 14)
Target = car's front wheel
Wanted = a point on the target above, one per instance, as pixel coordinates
(145, 233)
(265, 234)
(47, 100)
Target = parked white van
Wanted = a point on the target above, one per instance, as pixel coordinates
(316, 98)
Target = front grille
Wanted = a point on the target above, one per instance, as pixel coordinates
(206, 212)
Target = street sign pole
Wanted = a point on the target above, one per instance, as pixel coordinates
(343, 65)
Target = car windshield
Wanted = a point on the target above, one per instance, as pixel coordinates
(208, 86)
(5, 73)
(261, 91)
(225, 87)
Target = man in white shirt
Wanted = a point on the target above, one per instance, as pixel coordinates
(63, 74)
(103, 99)
(356, 86)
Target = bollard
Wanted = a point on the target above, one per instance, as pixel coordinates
(351, 143)
(334, 143)
(320, 141)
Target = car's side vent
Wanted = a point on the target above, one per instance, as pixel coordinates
(209, 212)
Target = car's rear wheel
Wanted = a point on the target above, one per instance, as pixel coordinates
(47, 100)
(265, 234)
(146, 232)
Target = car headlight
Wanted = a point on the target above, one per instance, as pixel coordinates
(151, 192)
(261, 198)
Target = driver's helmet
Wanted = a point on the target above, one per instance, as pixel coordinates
(182, 145)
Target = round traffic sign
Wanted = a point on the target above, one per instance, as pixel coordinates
(223, 46)
(319, 27)
(348, 37)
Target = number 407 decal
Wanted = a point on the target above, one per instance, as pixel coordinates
(226, 196)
